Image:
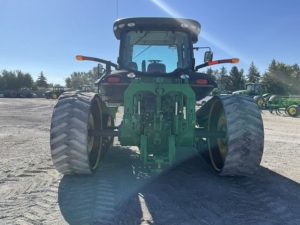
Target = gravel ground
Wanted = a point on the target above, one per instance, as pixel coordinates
(122, 192)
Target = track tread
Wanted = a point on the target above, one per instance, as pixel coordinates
(245, 135)
(69, 130)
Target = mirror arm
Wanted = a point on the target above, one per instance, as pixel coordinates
(233, 60)
(201, 66)
(107, 63)
(197, 48)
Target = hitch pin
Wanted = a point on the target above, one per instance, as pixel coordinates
(176, 108)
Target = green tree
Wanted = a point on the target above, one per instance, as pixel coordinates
(226, 83)
(77, 79)
(216, 74)
(92, 76)
(28, 81)
(10, 80)
(20, 79)
(15, 80)
(34, 86)
(296, 79)
(42, 80)
(223, 71)
(68, 82)
(237, 79)
(279, 78)
(253, 74)
(2, 83)
(224, 80)
(210, 72)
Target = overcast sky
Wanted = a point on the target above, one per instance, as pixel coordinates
(46, 36)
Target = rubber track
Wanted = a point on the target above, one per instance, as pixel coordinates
(69, 131)
(245, 135)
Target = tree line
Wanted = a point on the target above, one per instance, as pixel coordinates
(279, 78)
(17, 80)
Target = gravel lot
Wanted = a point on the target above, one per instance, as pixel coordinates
(121, 192)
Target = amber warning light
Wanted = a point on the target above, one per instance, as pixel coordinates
(79, 57)
(233, 60)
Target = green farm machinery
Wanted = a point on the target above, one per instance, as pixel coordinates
(289, 104)
(258, 91)
(55, 92)
(156, 82)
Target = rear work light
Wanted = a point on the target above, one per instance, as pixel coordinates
(201, 81)
(113, 79)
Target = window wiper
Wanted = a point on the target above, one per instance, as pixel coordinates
(142, 37)
(142, 51)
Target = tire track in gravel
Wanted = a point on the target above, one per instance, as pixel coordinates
(191, 193)
(29, 193)
(92, 199)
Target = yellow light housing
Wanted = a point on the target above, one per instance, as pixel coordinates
(79, 57)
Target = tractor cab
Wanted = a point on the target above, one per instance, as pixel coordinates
(252, 89)
(255, 88)
(156, 45)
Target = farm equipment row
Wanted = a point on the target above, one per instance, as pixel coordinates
(274, 103)
(290, 105)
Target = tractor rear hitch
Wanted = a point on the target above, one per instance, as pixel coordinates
(103, 133)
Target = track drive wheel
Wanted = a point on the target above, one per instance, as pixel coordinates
(293, 110)
(73, 150)
(240, 152)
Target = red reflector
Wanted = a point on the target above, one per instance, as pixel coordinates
(113, 79)
(201, 81)
(213, 62)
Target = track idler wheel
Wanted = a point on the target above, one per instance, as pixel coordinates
(73, 150)
(238, 153)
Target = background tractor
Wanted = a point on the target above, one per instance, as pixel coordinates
(156, 81)
(258, 91)
(55, 92)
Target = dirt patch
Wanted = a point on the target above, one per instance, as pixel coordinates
(122, 192)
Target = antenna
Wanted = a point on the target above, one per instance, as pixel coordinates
(117, 9)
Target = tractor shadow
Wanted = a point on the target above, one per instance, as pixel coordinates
(188, 193)
(192, 193)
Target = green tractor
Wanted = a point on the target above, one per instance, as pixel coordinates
(55, 92)
(258, 91)
(156, 82)
(86, 88)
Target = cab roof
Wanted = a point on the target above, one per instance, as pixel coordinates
(157, 23)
